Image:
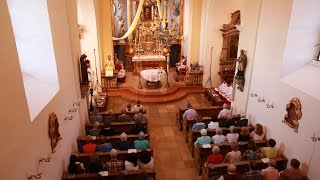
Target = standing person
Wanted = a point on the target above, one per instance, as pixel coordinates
(292, 173)
(270, 173)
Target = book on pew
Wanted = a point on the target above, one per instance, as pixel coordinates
(206, 146)
(104, 173)
(132, 151)
(265, 160)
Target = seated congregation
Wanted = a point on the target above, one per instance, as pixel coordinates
(116, 143)
(223, 143)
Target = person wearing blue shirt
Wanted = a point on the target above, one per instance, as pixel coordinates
(105, 147)
(204, 139)
(141, 143)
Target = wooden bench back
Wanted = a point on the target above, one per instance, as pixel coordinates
(105, 156)
(127, 175)
(110, 139)
(193, 135)
(118, 127)
(216, 170)
(201, 154)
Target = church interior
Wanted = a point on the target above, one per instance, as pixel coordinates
(141, 89)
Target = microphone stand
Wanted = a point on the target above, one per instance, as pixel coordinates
(209, 78)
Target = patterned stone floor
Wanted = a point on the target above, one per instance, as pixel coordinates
(172, 158)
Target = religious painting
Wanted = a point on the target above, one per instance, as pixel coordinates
(147, 13)
(233, 47)
(294, 114)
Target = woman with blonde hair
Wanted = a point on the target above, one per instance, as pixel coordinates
(258, 133)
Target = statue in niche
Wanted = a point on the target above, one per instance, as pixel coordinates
(294, 114)
(54, 134)
(242, 64)
(120, 26)
(85, 64)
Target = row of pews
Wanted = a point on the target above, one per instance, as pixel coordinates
(118, 127)
(200, 153)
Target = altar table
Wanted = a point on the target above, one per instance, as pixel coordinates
(141, 62)
(152, 77)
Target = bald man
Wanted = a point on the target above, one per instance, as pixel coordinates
(231, 174)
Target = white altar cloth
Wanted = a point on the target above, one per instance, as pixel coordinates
(152, 75)
(148, 58)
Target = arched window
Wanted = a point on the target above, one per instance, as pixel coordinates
(31, 26)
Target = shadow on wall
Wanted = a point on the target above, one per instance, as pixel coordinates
(304, 169)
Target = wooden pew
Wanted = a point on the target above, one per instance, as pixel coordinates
(117, 114)
(118, 127)
(110, 139)
(105, 156)
(202, 112)
(128, 175)
(193, 135)
(201, 154)
(216, 170)
(213, 97)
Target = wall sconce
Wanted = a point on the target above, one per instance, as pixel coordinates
(38, 175)
(253, 94)
(73, 110)
(68, 118)
(77, 102)
(261, 99)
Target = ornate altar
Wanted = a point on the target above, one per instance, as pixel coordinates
(153, 34)
(141, 62)
(229, 50)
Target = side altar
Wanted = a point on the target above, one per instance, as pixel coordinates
(141, 62)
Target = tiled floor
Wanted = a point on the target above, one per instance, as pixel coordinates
(172, 158)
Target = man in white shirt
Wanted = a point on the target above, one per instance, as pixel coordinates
(225, 113)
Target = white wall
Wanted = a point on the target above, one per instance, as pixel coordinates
(25, 142)
(218, 13)
(89, 42)
(268, 60)
(303, 35)
(249, 11)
